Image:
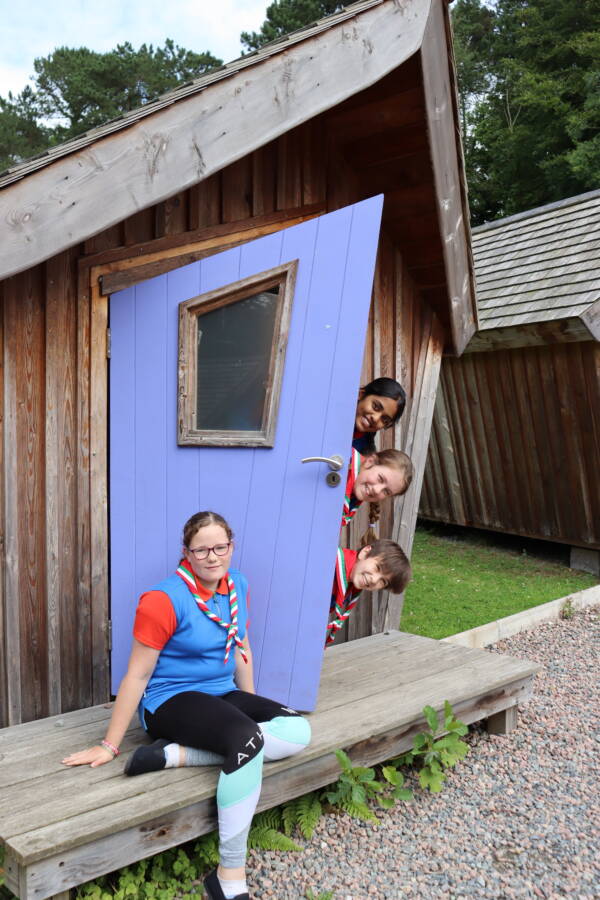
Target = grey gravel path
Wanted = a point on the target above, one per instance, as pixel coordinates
(519, 817)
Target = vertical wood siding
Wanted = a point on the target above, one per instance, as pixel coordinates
(515, 443)
(404, 341)
(52, 611)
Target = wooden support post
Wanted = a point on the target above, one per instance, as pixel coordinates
(585, 560)
(503, 722)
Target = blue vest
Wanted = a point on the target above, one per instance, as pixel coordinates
(192, 659)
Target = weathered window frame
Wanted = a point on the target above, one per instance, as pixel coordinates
(188, 434)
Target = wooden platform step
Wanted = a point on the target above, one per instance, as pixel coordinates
(62, 827)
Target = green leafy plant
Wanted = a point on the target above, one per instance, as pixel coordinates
(435, 750)
(395, 779)
(567, 610)
(353, 788)
(326, 895)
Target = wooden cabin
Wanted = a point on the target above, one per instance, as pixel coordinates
(360, 104)
(515, 442)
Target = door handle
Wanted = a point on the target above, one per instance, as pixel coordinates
(335, 463)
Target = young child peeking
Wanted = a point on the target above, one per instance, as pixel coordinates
(380, 565)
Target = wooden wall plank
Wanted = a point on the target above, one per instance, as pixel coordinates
(53, 360)
(289, 171)
(264, 171)
(171, 216)
(30, 580)
(314, 150)
(406, 507)
(498, 422)
(105, 240)
(237, 191)
(139, 227)
(98, 490)
(61, 481)
(84, 651)
(205, 203)
(590, 363)
(12, 609)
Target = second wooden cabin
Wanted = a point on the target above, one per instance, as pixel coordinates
(515, 443)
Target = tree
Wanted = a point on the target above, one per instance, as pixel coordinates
(21, 133)
(284, 16)
(76, 89)
(529, 78)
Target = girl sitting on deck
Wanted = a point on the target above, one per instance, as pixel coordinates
(387, 473)
(190, 676)
(380, 404)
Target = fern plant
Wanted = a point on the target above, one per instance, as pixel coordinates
(265, 834)
(302, 813)
(431, 752)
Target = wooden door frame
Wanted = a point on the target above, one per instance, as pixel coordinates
(99, 276)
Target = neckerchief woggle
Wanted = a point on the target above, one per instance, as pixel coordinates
(351, 504)
(187, 575)
(349, 598)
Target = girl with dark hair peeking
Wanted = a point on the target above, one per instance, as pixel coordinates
(380, 404)
(190, 677)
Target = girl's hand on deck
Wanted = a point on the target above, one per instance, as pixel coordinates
(93, 756)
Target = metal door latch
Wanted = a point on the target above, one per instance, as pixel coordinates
(335, 463)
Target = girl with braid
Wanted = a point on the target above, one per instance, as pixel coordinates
(190, 677)
(372, 478)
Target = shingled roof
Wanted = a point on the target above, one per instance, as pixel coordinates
(538, 275)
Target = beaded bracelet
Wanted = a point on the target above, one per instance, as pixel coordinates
(111, 748)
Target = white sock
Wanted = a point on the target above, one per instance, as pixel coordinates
(171, 752)
(192, 757)
(233, 888)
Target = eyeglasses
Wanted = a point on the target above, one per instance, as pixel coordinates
(203, 552)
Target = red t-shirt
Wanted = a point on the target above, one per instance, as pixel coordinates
(155, 620)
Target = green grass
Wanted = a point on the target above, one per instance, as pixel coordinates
(463, 578)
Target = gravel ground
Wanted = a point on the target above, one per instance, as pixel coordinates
(519, 817)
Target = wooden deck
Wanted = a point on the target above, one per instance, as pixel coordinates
(62, 827)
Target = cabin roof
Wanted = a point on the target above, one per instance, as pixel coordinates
(401, 136)
(540, 266)
(196, 86)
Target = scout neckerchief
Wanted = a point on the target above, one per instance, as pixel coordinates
(351, 504)
(185, 572)
(344, 597)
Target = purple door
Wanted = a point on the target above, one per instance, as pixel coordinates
(285, 516)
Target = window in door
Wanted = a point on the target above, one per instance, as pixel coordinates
(232, 345)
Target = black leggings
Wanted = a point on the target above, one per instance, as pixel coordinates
(227, 725)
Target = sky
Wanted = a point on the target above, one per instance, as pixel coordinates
(32, 28)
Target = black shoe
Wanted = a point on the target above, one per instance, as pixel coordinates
(214, 891)
(147, 758)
